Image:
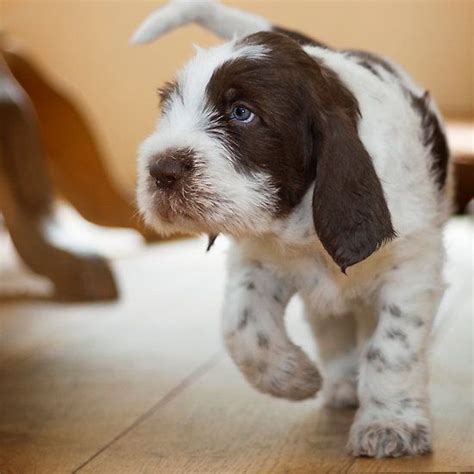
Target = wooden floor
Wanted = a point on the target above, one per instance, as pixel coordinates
(143, 386)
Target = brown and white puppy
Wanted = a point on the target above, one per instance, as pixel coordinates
(329, 170)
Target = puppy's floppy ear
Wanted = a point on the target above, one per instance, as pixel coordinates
(350, 213)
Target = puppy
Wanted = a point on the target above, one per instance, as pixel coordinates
(329, 169)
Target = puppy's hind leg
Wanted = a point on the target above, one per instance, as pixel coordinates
(336, 342)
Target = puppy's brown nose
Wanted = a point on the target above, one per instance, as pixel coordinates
(167, 170)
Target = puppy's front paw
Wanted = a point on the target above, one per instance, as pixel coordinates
(389, 438)
(284, 373)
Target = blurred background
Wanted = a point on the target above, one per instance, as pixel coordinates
(110, 353)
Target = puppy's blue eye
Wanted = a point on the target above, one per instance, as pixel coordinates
(242, 114)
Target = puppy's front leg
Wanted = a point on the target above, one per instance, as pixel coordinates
(393, 418)
(255, 334)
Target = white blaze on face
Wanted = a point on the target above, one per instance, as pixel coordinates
(231, 201)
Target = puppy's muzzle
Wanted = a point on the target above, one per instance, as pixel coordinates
(172, 167)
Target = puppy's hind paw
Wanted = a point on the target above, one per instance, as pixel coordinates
(341, 394)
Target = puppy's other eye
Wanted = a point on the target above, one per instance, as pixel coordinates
(242, 114)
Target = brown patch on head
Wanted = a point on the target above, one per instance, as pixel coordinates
(305, 130)
(276, 90)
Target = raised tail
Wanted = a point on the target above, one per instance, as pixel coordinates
(224, 21)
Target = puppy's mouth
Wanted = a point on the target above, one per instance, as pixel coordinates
(173, 205)
(169, 209)
(184, 206)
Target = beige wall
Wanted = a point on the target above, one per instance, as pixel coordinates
(84, 45)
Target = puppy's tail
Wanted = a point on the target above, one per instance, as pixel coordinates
(222, 20)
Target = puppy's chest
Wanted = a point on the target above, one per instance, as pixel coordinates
(319, 286)
(323, 286)
(315, 277)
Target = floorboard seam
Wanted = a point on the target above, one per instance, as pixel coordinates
(186, 382)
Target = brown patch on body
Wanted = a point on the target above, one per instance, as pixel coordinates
(433, 138)
(398, 335)
(394, 310)
(262, 340)
(369, 60)
(244, 319)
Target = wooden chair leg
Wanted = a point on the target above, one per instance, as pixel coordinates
(71, 148)
(26, 201)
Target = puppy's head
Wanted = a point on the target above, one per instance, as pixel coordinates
(246, 128)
